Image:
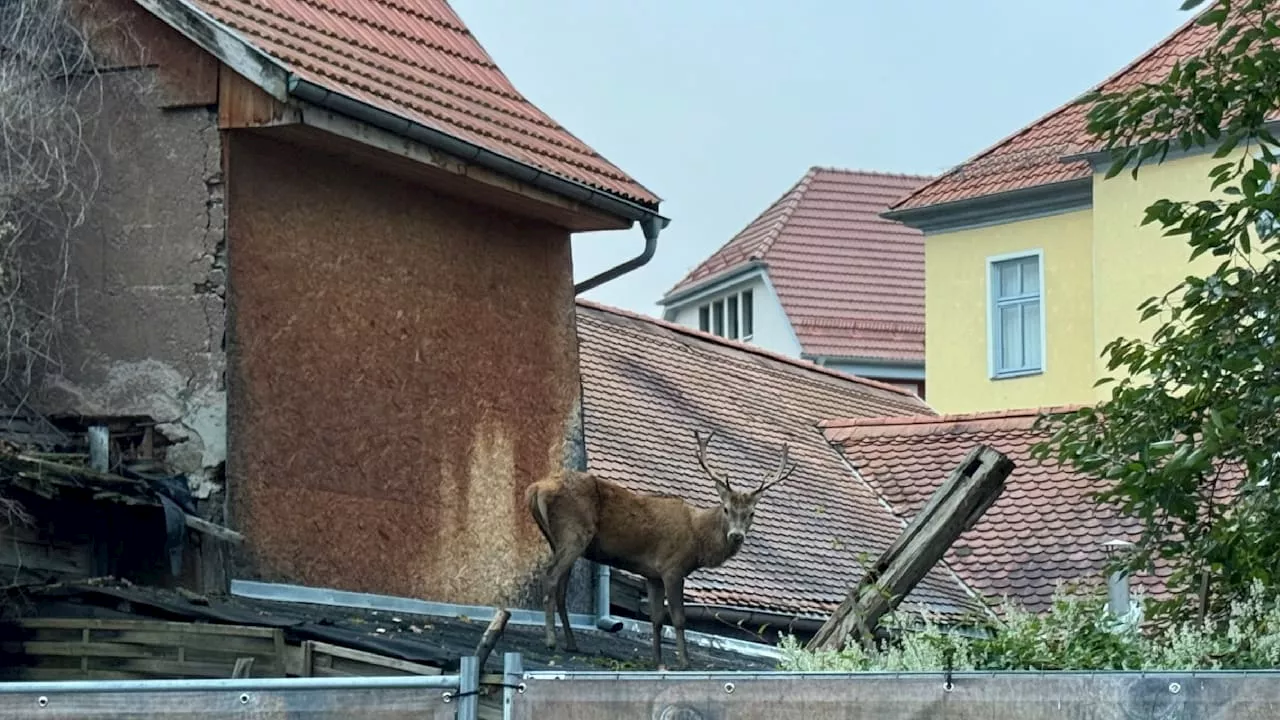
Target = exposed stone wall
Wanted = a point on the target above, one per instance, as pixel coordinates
(144, 306)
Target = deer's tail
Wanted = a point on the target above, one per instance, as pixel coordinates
(536, 497)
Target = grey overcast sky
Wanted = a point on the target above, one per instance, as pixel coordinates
(719, 106)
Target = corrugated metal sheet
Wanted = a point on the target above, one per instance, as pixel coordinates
(416, 59)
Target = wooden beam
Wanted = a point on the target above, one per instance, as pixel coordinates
(243, 104)
(954, 508)
(204, 526)
(491, 635)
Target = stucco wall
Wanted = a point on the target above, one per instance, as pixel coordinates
(402, 366)
(141, 308)
(1133, 262)
(956, 315)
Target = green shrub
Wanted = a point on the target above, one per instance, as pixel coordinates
(1077, 633)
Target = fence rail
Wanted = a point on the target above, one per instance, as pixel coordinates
(907, 696)
(339, 698)
(519, 695)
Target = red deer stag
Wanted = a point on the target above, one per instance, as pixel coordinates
(662, 539)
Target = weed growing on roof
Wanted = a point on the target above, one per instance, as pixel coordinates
(1077, 633)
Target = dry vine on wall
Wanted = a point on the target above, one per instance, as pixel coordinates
(49, 84)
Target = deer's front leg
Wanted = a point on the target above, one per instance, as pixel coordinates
(675, 598)
(656, 616)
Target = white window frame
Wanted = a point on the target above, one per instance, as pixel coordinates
(993, 315)
(709, 306)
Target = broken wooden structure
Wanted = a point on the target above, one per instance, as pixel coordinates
(952, 509)
(61, 521)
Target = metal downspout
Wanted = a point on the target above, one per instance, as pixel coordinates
(604, 620)
(651, 225)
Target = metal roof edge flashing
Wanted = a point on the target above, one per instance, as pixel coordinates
(579, 192)
(999, 208)
(282, 592)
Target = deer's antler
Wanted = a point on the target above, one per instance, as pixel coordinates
(720, 480)
(778, 475)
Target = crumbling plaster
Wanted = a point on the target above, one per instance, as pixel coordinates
(146, 299)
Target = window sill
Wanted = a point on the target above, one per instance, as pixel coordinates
(1017, 374)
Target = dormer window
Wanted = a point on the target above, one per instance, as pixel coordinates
(730, 317)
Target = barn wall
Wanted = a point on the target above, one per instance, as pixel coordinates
(401, 367)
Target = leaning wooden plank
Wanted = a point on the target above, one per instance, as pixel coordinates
(319, 649)
(491, 635)
(75, 476)
(243, 667)
(954, 507)
(213, 530)
(169, 668)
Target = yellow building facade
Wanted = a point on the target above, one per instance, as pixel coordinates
(1035, 261)
(1022, 298)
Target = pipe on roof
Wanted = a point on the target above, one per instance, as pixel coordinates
(604, 619)
(752, 617)
(650, 221)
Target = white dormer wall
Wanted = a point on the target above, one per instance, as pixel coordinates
(770, 328)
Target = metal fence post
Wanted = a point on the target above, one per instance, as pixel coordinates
(512, 670)
(468, 688)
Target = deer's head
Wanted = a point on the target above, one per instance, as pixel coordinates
(739, 508)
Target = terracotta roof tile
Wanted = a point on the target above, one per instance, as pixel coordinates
(1033, 156)
(417, 60)
(851, 282)
(1044, 529)
(649, 384)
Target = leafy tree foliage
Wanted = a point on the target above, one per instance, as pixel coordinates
(1192, 414)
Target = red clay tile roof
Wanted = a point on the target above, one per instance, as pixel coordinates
(417, 60)
(1033, 156)
(1042, 530)
(649, 384)
(851, 282)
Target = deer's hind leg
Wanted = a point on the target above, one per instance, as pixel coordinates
(556, 583)
(562, 603)
(657, 614)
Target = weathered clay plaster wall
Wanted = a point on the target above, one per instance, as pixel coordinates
(402, 366)
(143, 311)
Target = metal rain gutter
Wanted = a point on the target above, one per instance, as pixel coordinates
(650, 222)
(612, 623)
(752, 617)
(651, 226)
(280, 592)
